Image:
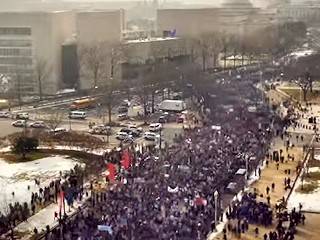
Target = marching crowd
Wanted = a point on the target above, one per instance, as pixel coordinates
(170, 195)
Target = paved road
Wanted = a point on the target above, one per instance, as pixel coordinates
(6, 128)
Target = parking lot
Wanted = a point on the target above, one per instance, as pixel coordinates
(168, 131)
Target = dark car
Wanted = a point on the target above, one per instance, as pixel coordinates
(163, 119)
(126, 130)
(135, 133)
(122, 109)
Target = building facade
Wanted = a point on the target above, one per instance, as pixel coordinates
(233, 17)
(28, 38)
(103, 30)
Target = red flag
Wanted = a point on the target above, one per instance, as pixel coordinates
(200, 201)
(112, 172)
(126, 161)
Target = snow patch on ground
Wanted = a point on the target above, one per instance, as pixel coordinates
(309, 201)
(16, 177)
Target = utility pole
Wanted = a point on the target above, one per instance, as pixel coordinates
(215, 196)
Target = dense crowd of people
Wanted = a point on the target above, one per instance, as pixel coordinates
(169, 195)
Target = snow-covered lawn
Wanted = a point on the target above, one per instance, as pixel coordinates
(309, 201)
(16, 177)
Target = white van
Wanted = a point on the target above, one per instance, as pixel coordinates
(77, 115)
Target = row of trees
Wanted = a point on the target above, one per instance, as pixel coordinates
(13, 83)
(100, 62)
(271, 41)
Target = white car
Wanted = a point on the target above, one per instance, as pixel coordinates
(135, 128)
(101, 130)
(150, 136)
(155, 127)
(123, 136)
(4, 114)
(38, 124)
(58, 130)
(19, 123)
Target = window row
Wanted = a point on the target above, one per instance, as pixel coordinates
(15, 31)
(14, 69)
(15, 52)
(15, 43)
(16, 60)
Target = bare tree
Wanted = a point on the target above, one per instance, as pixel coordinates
(42, 70)
(92, 61)
(305, 70)
(54, 120)
(109, 96)
(17, 88)
(210, 46)
(304, 84)
(227, 41)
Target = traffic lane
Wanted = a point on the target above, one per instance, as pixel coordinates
(6, 128)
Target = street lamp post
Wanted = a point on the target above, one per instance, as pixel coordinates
(160, 140)
(69, 123)
(247, 168)
(215, 196)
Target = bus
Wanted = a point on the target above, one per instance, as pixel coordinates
(83, 104)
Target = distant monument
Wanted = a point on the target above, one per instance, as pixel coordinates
(237, 4)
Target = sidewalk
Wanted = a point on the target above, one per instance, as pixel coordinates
(43, 218)
(271, 175)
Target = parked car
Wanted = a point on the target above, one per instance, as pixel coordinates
(151, 136)
(128, 140)
(135, 128)
(38, 124)
(135, 133)
(155, 127)
(4, 114)
(125, 103)
(58, 131)
(101, 130)
(19, 123)
(162, 119)
(122, 109)
(126, 130)
(23, 116)
(122, 136)
(123, 116)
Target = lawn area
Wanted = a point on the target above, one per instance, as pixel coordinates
(308, 187)
(297, 94)
(16, 158)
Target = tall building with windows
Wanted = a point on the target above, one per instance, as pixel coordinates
(28, 39)
(16, 61)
